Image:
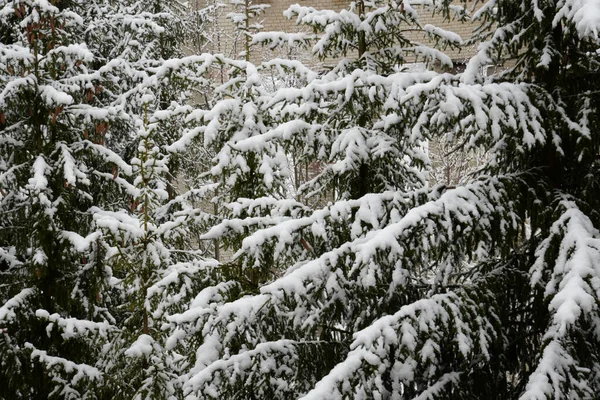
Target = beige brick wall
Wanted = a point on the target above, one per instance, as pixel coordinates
(273, 20)
(463, 29)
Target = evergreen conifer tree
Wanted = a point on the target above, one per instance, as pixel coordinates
(54, 126)
(397, 290)
(232, 112)
(83, 85)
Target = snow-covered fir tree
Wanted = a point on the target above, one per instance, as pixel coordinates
(358, 282)
(398, 290)
(54, 125)
(336, 120)
(231, 110)
(245, 16)
(146, 250)
(86, 96)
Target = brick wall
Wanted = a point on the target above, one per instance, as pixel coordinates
(464, 29)
(273, 20)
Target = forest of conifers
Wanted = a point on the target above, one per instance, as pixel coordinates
(179, 224)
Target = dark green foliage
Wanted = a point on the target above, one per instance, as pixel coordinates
(484, 290)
